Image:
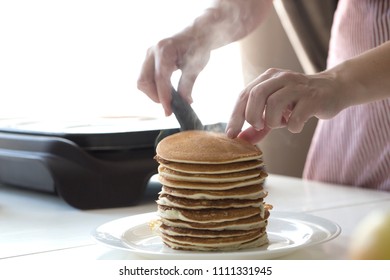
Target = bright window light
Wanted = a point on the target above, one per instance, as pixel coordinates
(81, 58)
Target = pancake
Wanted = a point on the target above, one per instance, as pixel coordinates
(201, 233)
(211, 186)
(209, 178)
(209, 215)
(206, 147)
(243, 224)
(187, 203)
(252, 244)
(212, 168)
(215, 240)
(249, 192)
(212, 196)
(216, 244)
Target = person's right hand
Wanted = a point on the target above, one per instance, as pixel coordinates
(282, 98)
(180, 52)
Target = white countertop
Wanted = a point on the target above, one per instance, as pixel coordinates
(35, 226)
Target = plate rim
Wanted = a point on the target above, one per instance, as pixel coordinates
(117, 241)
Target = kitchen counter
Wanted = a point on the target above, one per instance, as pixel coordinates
(36, 226)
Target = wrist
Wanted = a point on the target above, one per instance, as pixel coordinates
(349, 89)
(227, 22)
(208, 31)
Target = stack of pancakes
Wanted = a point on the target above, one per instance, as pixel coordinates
(212, 193)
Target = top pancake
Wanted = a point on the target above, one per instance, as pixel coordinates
(195, 146)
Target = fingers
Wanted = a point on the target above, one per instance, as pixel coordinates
(275, 99)
(145, 80)
(186, 84)
(162, 60)
(279, 107)
(165, 64)
(192, 64)
(156, 72)
(289, 108)
(251, 103)
(254, 136)
(237, 118)
(302, 112)
(258, 102)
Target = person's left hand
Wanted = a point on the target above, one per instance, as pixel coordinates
(279, 98)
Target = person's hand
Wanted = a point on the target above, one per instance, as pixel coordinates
(281, 98)
(178, 52)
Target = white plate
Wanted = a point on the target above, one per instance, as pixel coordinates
(287, 232)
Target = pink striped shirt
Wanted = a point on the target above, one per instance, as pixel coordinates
(354, 147)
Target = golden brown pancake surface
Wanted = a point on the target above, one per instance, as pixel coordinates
(196, 146)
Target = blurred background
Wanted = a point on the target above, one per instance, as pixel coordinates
(80, 59)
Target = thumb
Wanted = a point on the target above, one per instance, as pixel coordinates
(254, 136)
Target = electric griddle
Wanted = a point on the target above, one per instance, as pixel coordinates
(97, 163)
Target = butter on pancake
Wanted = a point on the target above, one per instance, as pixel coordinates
(212, 198)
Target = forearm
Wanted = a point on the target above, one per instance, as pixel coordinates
(227, 21)
(365, 78)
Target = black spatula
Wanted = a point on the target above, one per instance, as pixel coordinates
(184, 113)
(187, 119)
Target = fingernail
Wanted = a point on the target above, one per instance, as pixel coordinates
(230, 133)
(167, 112)
(259, 126)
